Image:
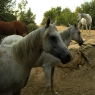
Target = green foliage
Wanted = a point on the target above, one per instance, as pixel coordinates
(63, 17)
(31, 27)
(8, 17)
(68, 17)
(22, 5)
(92, 13)
(6, 7)
(27, 17)
(54, 14)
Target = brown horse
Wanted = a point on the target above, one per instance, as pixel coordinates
(13, 27)
(21, 28)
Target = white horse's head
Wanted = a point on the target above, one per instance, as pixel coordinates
(52, 42)
(76, 34)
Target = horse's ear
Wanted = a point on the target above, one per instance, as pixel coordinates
(69, 24)
(48, 22)
(55, 23)
(75, 25)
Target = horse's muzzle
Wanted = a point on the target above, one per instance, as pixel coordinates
(64, 56)
(66, 59)
(81, 43)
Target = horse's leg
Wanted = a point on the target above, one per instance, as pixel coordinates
(47, 71)
(89, 28)
(86, 29)
(82, 28)
(78, 25)
(52, 78)
(17, 93)
(49, 76)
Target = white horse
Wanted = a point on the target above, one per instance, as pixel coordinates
(47, 61)
(17, 59)
(11, 39)
(85, 20)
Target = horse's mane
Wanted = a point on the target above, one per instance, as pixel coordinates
(22, 48)
(65, 33)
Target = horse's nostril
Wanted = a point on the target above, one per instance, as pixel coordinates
(81, 43)
(68, 56)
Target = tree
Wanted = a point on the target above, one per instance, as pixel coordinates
(54, 14)
(23, 15)
(6, 7)
(29, 17)
(26, 16)
(92, 13)
(22, 5)
(64, 16)
(50, 13)
(21, 9)
(67, 16)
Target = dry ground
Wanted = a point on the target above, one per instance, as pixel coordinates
(79, 81)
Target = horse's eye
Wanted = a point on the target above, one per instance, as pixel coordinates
(79, 33)
(52, 37)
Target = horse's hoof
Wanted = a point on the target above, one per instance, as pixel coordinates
(55, 93)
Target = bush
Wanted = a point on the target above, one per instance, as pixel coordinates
(31, 27)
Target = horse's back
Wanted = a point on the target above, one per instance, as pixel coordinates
(11, 39)
(21, 28)
(13, 27)
(7, 28)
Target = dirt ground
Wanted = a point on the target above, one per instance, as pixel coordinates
(79, 81)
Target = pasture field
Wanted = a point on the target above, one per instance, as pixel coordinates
(67, 81)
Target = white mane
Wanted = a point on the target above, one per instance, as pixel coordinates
(22, 48)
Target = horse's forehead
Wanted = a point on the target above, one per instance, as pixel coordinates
(52, 29)
(74, 29)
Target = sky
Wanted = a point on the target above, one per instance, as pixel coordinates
(39, 7)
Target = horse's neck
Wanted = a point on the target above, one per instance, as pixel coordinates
(30, 45)
(35, 39)
(66, 36)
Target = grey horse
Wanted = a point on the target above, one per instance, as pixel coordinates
(46, 60)
(17, 59)
(85, 20)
